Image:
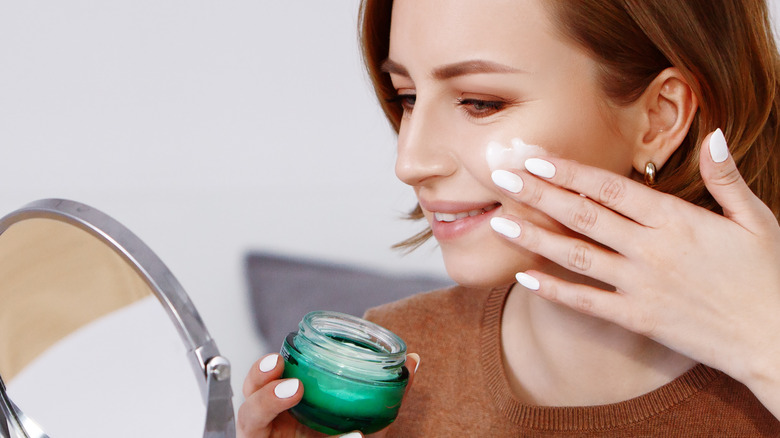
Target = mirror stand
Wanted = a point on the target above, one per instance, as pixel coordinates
(212, 370)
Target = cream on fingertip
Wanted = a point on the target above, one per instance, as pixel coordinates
(527, 281)
(719, 150)
(352, 435)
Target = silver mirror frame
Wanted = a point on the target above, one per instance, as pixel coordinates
(212, 371)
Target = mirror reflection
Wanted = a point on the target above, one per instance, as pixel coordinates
(86, 348)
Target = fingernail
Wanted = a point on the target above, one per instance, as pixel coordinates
(506, 227)
(719, 150)
(287, 389)
(351, 435)
(527, 281)
(507, 180)
(540, 167)
(268, 363)
(416, 358)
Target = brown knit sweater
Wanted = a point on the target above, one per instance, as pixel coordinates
(461, 388)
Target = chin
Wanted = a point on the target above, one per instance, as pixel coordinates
(480, 283)
(477, 275)
(488, 265)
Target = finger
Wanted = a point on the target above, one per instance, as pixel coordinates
(618, 193)
(578, 213)
(266, 369)
(726, 185)
(609, 306)
(412, 364)
(571, 253)
(260, 409)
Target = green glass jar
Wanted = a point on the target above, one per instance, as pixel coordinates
(352, 371)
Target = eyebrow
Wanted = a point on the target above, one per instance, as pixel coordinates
(450, 71)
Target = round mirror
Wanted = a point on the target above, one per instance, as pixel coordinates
(97, 337)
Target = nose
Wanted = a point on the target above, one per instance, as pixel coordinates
(425, 150)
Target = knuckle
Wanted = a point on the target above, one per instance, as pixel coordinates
(530, 238)
(643, 323)
(580, 257)
(246, 418)
(244, 413)
(571, 176)
(583, 216)
(534, 196)
(248, 386)
(612, 192)
(550, 291)
(583, 303)
(727, 176)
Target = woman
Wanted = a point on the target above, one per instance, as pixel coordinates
(627, 299)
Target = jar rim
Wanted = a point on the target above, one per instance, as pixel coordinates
(365, 340)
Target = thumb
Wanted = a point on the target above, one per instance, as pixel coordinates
(725, 184)
(412, 363)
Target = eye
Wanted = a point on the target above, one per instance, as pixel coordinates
(480, 108)
(406, 100)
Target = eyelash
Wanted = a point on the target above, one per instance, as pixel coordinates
(469, 105)
(406, 101)
(490, 107)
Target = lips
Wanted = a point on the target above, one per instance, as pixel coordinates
(452, 217)
(452, 220)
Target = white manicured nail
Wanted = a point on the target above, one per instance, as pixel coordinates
(527, 281)
(268, 363)
(416, 358)
(507, 180)
(506, 227)
(719, 150)
(287, 389)
(351, 435)
(540, 167)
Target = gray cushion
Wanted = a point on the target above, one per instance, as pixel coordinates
(283, 289)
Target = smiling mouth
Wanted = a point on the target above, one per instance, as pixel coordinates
(452, 217)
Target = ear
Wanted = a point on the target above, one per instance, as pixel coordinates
(668, 106)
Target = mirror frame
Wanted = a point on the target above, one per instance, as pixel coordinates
(212, 371)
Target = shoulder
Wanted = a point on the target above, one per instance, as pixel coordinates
(437, 323)
(435, 307)
(445, 328)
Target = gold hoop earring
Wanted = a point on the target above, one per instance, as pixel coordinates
(650, 173)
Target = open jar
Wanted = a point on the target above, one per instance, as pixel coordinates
(352, 371)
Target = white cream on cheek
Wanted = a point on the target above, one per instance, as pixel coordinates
(513, 156)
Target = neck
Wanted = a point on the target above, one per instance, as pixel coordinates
(555, 356)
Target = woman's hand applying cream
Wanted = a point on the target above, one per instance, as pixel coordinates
(705, 285)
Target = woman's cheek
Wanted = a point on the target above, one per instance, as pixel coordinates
(511, 154)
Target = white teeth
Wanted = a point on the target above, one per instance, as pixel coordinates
(452, 217)
(445, 217)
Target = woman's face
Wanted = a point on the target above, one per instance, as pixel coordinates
(468, 73)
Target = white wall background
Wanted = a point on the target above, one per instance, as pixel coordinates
(209, 129)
